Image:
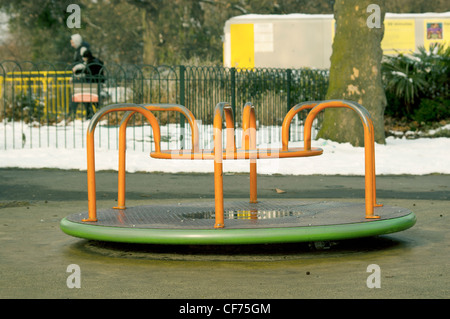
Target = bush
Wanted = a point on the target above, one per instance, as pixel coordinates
(409, 79)
(24, 107)
(403, 80)
(395, 107)
(432, 110)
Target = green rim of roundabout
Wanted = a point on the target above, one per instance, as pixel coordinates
(275, 235)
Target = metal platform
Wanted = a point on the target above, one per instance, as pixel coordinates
(269, 221)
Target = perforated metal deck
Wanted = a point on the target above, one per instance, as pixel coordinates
(238, 215)
(269, 221)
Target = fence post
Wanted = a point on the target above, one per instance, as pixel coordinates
(288, 92)
(182, 102)
(233, 92)
(288, 89)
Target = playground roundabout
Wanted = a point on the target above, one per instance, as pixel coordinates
(226, 222)
(266, 222)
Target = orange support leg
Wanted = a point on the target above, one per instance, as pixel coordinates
(218, 194)
(218, 164)
(92, 199)
(253, 182)
(218, 178)
(122, 159)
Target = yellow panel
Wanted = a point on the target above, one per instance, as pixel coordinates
(399, 36)
(333, 29)
(242, 46)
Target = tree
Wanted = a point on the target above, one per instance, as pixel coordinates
(114, 30)
(150, 18)
(194, 28)
(355, 72)
(38, 28)
(148, 31)
(39, 31)
(183, 29)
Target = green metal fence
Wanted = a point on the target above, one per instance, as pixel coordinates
(35, 101)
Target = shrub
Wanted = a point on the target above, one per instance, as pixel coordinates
(432, 110)
(409, 79)
(24, 107)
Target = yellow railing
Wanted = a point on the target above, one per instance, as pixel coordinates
(52, 88)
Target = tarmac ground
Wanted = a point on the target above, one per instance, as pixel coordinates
(38, 260)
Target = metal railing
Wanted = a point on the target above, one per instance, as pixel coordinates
(36, 100)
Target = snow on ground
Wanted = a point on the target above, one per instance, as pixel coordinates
(398, 156)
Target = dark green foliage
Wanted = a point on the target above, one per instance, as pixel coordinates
(417, 85)
(432, 110)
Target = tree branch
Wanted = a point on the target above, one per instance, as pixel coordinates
(234, 6)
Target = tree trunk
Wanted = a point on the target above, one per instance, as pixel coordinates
(150, 38)
(355, 72)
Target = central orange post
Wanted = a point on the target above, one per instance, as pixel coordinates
(219, 112)
(249, 145)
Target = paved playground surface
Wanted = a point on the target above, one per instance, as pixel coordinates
(35, 253)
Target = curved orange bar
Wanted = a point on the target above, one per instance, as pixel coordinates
(248, 127)
(369, 149)
(187, 114)
(249, 143)
(248, 149)
(288, 119)
(260, 153)
(122, 142)
(92, 213)
(221, 111)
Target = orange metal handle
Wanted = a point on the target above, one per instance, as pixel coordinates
(249, 143)
(187, 114)
(360, 110)
(369, 144)
(221, 111)
(122, 141)
(248, 127)
(288, 119)
(132, 108)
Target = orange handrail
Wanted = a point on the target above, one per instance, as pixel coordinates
(187, 114)
(122, 141)
(249, 143)
(288, 119)
(248, 127)
(369, 147)
(92, 205)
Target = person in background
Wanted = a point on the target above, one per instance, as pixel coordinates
(91, 73)
(80, 46)
(93, 68)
